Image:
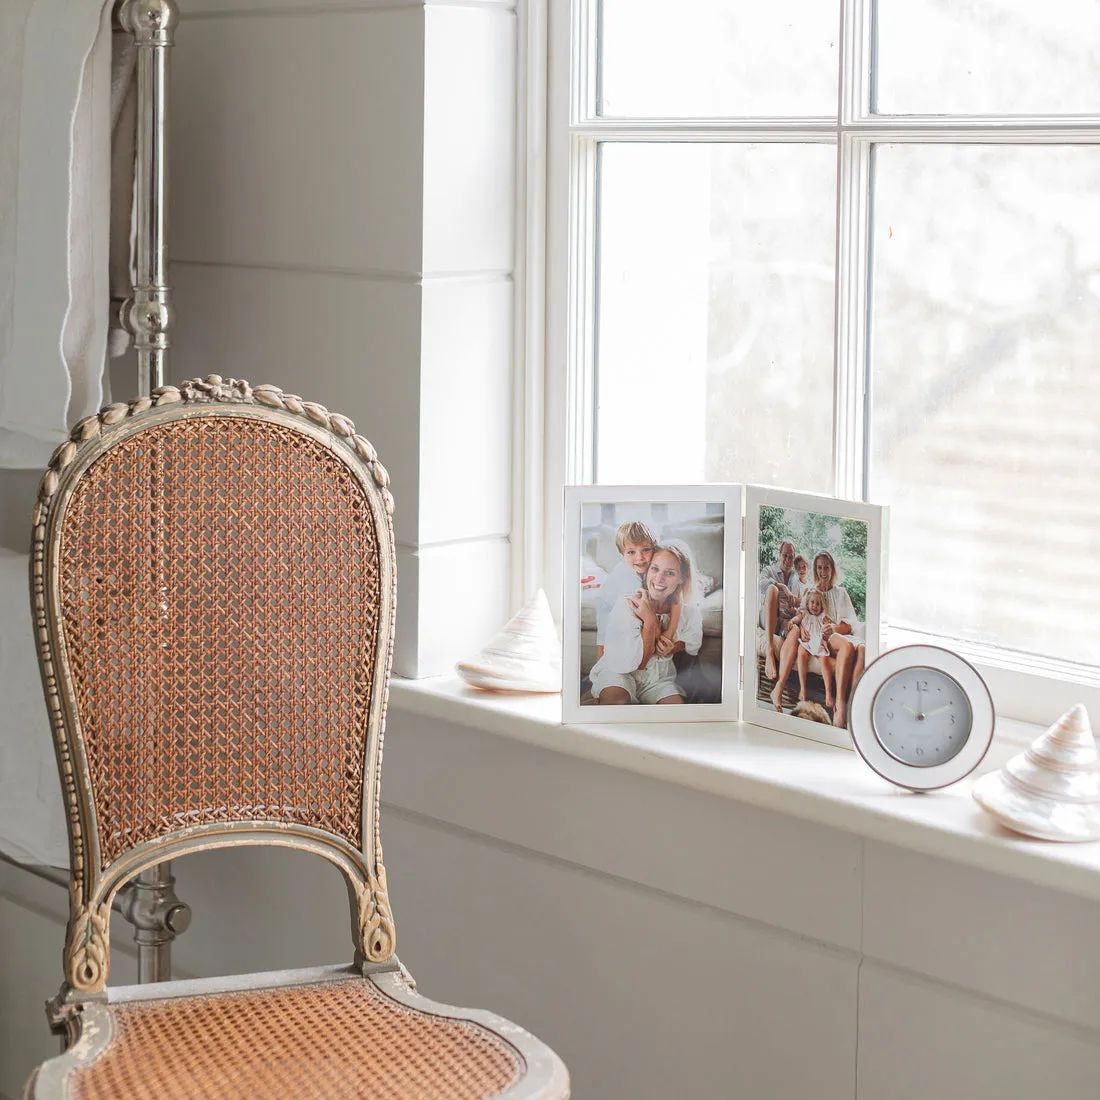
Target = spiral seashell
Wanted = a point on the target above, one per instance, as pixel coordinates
(1052, 790)
(524, 656)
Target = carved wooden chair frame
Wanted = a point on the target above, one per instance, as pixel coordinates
(81, 1010)
(92, 888)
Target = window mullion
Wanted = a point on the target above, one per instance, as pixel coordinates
(853, 242)
(856, 73)
(584, 81)
(582, 328)
(853, 271)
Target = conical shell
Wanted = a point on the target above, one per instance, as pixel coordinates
(1051, 791)
(524, 656)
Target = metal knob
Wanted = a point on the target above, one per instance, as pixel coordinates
(178, 918)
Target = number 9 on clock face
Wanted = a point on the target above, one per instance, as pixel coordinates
(921, 717)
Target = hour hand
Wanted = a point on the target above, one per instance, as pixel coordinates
(905, 706)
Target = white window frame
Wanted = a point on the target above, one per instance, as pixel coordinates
(555, 434)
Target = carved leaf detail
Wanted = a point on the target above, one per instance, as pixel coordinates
(87, 954)
(377, 936)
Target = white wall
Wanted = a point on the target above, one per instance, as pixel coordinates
(342, 225)
(664, 941)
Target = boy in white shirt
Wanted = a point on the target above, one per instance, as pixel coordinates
(635, 542)
(799, 587)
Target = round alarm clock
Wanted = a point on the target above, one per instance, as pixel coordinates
(921, 717)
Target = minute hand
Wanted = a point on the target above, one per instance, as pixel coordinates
(938, 710)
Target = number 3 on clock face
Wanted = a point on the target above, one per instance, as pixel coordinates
(921, 717)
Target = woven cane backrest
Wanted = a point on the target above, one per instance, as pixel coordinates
(216, 601)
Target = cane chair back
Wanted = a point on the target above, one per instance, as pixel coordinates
(213, 581)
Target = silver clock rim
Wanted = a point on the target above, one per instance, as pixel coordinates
(882, 687)
(913, 777)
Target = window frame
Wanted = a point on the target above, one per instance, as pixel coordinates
(1023, 687)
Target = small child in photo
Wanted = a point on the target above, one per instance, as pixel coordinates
(811, 621)
(635, 542)
(802, 568)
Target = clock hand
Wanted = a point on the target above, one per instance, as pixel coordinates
(938, 710)
(905, 706)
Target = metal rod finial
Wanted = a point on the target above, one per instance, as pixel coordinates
(151, 22)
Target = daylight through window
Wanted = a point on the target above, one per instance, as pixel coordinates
(858, 253)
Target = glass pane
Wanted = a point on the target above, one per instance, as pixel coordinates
(986, 393)
(988, 57)
(714, 58)
(715, 340)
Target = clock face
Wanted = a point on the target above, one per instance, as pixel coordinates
(921, 716)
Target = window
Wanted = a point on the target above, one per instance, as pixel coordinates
(851, 248)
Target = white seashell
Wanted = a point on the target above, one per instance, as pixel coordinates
(1051, 791)
(524, 656)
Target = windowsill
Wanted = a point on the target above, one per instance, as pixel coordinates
(779, 772)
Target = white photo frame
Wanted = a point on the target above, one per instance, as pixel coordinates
(706, 519)
(831, 530)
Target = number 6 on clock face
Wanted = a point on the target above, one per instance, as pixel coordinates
(921, 717)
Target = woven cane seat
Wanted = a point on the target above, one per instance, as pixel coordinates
(327, 1041)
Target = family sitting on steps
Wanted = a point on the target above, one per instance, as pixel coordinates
(804, 619)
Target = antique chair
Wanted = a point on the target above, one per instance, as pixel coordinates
(213, 592)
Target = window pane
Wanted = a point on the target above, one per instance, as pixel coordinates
(715, 293)
(707, 58)
(988, 57)
(986, 391)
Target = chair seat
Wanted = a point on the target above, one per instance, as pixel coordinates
(330, 1040)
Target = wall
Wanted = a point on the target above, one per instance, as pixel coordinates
(342, 201)
(664, 941)
(342, 212)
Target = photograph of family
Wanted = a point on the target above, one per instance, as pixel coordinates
(816, 610)
(651, 595)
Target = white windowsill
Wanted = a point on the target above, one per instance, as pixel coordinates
(778, 772)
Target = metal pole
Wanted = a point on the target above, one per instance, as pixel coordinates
(148, 316)
(151, 904)
(158, 916)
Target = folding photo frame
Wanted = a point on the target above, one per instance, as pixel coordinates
(687, 637)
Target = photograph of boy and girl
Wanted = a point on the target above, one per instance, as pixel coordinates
(651, 603)
(812, 613)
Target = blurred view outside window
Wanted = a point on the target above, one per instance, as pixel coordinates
(720, 237)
